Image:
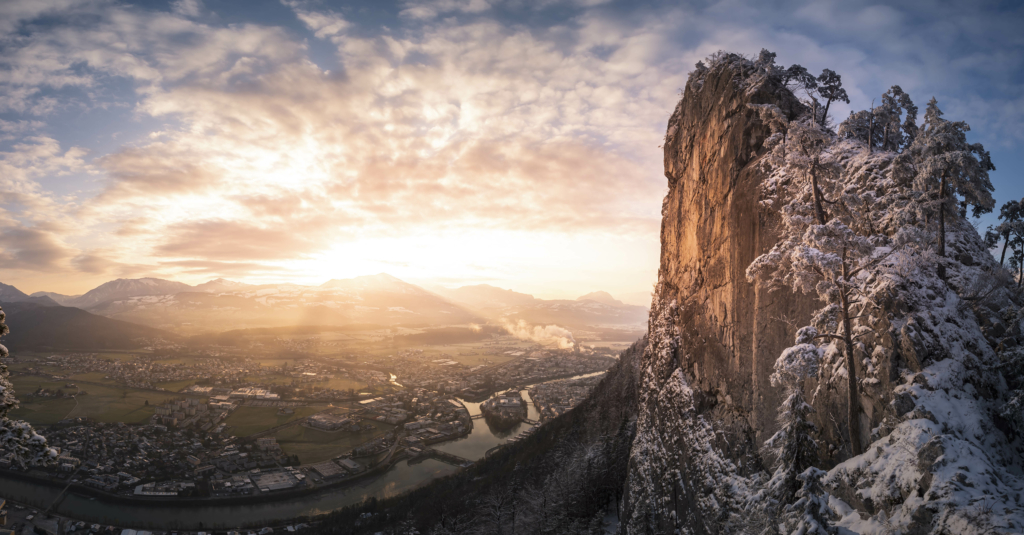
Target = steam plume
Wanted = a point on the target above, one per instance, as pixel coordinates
(547, 334)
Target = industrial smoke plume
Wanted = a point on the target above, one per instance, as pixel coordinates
(545, 335)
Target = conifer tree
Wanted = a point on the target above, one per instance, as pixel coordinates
(1012, 215)
(830, 87)
(793, 445)
(818, 253)
(17, 438)
(948, 170)
(810, 514)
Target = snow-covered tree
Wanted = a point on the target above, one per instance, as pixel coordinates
(822, 257)
(793, 445)
(810, 514)
(1012, 215)
(17, 438)
(896, 104)
(880, 126)
(948, 171)
(1013, 370)
(797, 77)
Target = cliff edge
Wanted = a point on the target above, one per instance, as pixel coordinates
(929, 383)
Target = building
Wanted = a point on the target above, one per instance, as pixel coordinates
(328, 469)
(280, 480)
(352, 466)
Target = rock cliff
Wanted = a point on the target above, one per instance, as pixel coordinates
(706, 403)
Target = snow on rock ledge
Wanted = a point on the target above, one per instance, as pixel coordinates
(938, 460)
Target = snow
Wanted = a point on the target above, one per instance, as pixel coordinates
(931, 379)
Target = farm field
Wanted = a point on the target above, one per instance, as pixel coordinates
(102, 403)
(175, 386)
(93, 377)
(343, 383)
(248, 420)
(313, 445)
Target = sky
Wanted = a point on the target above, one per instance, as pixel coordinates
(448, 142)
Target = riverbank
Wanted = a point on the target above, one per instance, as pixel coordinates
(243, 511)
(399, 477)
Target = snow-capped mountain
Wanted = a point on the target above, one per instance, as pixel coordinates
(598, 308)
(127, 288)
(224, 305)
(220, 285)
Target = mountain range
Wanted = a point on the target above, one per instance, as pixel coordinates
(222, 305)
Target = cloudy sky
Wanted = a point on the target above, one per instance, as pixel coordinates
(514, 143)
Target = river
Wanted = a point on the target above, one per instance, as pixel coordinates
(401, 478)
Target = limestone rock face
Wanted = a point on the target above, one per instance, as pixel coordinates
(713, 227)
(706, 402)
(926, 353)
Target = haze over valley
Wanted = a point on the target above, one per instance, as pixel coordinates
(494, 267)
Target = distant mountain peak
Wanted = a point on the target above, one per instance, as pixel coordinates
(380, 280)
(125, 288)
(601, 297)
(10, 294)
(220, 284)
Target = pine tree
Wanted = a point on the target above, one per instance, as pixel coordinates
(810, 514)
(1013, 371)
(830, 87)
(823, 257)
(1012, 215)
(880, 126)
(948, 170)
(793, 445)
(17, 438)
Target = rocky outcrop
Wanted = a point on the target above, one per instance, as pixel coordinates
(706, 404)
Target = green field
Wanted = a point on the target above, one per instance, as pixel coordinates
(175, 386)
(313, 445)
(268, 379)
(248, 420)
(343, 383)
(93, 377)
(102, 403)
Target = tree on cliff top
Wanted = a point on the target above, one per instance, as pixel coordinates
(1012, 214)
(17, 438)
(830, 87)
(948, 171)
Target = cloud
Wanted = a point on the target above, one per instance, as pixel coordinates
(450, 117)
(214, 239)
(24, 248)
(429, 9)
(207, 267)
(188, 8)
